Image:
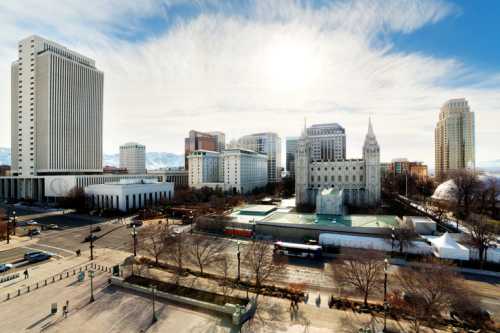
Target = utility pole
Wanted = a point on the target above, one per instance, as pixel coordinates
(153, 288)
(238, 254)
(386, 266)
(134, 236)
(91, 275)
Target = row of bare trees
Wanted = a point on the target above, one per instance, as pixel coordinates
(424, 292)
(161, 241)
(474, 201)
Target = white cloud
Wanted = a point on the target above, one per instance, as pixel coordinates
(263, 71)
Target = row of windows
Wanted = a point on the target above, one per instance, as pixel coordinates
(339, 178)
(338, 168)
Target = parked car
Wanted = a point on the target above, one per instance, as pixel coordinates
(89, 237)
(53, 227)
(5, 267)
(96, 229)
(31, 222)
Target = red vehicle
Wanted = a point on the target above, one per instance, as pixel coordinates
(238, 232)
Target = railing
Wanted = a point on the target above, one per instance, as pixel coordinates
(55, 278)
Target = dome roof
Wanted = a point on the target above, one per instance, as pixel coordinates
(445, 191)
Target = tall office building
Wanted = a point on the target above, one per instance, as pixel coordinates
(214, 141)
(327, 142)
(56, 111)
(268, 144)
(454, 137)
(291, 150)
(220, 141)
(133, 158)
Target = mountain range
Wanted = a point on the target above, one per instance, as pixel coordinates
(154, 160)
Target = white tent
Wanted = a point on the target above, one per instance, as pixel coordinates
(447, 248)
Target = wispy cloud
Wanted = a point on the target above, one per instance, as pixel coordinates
(251, 66)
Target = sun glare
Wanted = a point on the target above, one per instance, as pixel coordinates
(290, 66)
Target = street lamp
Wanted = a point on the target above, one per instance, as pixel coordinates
(91, 275)
(393, 237)
(239, 259)
(134, 236)
(386, 266)
(153, 289)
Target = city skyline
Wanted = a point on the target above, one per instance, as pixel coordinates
(235, 68)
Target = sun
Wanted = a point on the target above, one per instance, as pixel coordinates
(290, 66)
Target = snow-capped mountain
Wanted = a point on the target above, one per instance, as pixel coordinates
(154, 160)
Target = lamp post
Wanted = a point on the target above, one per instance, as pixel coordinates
(153, 289)
(91, 275)
(134, 237)
(238, 254)
(13, 222)
(393, 236)
(386, 266)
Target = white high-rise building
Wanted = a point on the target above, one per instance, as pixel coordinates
(454, 137)
(56, 111)
(234, 170)
(133, 158)
(205, 167)
(244, 170)
(268, 144)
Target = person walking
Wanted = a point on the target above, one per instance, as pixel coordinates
(26, 274)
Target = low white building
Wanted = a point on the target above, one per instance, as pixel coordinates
(422, 225)
(129, 194)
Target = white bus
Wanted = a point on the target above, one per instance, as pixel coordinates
(297, 250)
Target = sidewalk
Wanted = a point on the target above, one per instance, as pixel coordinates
(16, 241)
(274, 313)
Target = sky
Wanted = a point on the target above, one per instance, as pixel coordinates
(247, 66)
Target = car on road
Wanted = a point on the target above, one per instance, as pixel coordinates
(36, 256)
(135, 223)
(89, 237)
(31, 222)
(96, 229)
(34, 232)
(53, 227)
(5, 267)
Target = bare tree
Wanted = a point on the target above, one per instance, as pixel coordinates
(404, 235)
(485, 200)
(153, 239)
(427, 290)
(360, 269)
(223, 267)
(176, 252)
(481, 234)
(467, 184)
(258, 258)
(204, 251)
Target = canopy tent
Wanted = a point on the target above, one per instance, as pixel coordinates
(447, 248)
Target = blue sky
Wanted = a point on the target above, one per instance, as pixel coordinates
(263, 65)
(470, 35)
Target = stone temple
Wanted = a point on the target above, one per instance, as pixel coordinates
(357, 181)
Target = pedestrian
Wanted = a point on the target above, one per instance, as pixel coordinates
(65, 311)
(26, 274)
